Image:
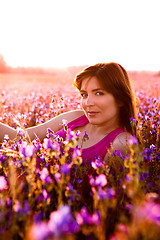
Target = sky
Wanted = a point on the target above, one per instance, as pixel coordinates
(62, 33)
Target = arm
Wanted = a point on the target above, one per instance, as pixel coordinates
(40, 130)
(54, 124)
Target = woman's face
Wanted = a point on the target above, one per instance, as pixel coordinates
(99, 106)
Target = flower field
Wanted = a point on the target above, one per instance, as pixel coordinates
(48, 194)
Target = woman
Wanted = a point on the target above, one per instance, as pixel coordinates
(107, 106)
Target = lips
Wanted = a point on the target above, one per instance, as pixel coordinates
(91, 113)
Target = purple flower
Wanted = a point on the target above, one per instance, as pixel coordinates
(78, 133)
(133, 140)
(76, 153)
(3, 183)
(143, 176)
(65, 169)
(71, 135)
(37, 144)
(47, 143)
(109, 193)
(45, 193)
(149, 211)
(17, 206)
(153, 147)
(8, 202)
(62, 222)
(64, 122)
(83, 217)
(44, 176)
(6, 137)
(118, 153)
(97, 163)
(38, 217)
(40, 231)
(57, 176)
(99, 181)
(85, 135)
(26, 208)
(2, 158)
(50, 133)
(70, 187)
(30, 150)
(20, 132)
(26, 150)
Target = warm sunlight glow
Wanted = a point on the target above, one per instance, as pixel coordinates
(65, 33)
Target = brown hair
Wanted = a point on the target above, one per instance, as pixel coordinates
(114, 79)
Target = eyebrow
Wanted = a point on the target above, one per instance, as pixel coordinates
(94, 90)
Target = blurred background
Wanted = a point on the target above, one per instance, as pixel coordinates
(58, 38)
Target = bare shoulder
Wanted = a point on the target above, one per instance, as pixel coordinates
(121, 142)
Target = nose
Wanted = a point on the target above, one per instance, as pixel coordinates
(89, 101)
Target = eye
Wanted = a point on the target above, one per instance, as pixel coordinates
(99, 93)
(84, 95)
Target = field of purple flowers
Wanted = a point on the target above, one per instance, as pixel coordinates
(47, 194)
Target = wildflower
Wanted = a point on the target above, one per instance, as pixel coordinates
(76, 153)
(26, 208)
(99, 181)
(57, 176)
(71, 135)
(65, 169)
(143, 176)
(83, 217)
(29, 150)
(149, 211)
(37, 144)
(153, 147)
(133, 121)
(26, 150)
(8, 202)
(97, 163)
(20, 132)
(37, 218)
(109, 193)
(47, 143)
(6, 137)
(78, 133)
(50, 133)
(17, 206)
(2, 158)
(40, 231)
(118, 153)
(44, 175)
(70, 187)
(3, 183)
(64, 122)
(44, 193)
(133, 140)
(62, 222)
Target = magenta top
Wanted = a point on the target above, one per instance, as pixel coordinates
(100, 148)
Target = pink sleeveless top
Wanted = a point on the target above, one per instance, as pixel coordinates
(100, 148)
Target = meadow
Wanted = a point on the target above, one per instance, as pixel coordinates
(46, 194)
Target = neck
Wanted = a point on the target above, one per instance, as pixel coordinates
(100, 130)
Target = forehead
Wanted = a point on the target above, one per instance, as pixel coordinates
(91, 82)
